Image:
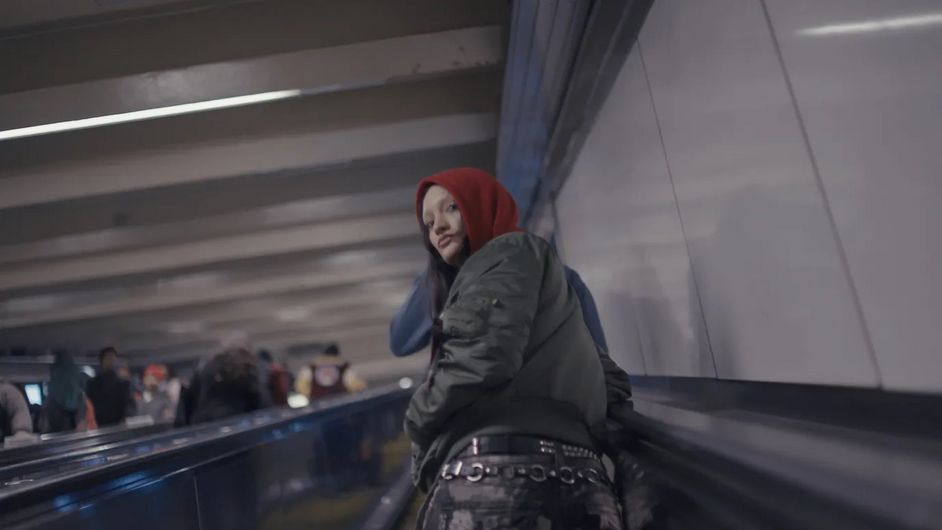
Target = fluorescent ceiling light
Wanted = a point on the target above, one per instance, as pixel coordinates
(883, 24)
(148, 114)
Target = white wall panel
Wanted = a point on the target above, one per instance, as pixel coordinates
(867, 76)
(619, 228)
(777, 301)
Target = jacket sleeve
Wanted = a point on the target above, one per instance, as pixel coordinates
(486, 330)
(411, 327)
(590, 314)
(17, 410)
(617, 383)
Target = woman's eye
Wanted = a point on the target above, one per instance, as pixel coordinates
(428, 224)
(452, 207)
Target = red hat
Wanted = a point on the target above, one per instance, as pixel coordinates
(158, 371)
(487, 208)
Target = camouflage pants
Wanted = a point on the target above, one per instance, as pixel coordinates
(521, 500)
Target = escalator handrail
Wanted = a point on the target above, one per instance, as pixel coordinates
(76, 441)
(212, 441)
(737, 472)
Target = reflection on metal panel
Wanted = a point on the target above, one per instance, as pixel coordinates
(777, 302)
(328, 465)
(543, 41)
(619, 228)
(867, 83)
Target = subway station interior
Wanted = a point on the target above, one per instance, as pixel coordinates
(197, 189)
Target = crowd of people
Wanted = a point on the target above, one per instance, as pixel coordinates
(232, 382)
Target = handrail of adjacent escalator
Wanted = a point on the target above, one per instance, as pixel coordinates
(722, 471)
(75, 441)
(177, 449)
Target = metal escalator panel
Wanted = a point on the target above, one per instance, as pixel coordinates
(329, 466)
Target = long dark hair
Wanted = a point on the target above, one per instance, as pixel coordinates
(439, 276)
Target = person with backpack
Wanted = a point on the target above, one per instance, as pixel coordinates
(66, 405)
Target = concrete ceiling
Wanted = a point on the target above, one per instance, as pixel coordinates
(277, 223)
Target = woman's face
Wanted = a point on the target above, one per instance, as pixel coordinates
(446, 230)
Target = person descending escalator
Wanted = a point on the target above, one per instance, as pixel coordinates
(109, 393)
(276, 377)
(328, 375)
(341, 454)
(154, 400)
(229, 384)
(16, 425)
(66, 406)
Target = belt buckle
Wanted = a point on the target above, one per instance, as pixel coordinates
(448, 475)
(477, 472)
(537, 473)
(566, 475)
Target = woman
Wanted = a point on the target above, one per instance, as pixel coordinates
(155, 401)
(506, 425)
(65, 409)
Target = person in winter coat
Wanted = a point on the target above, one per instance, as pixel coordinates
(329, 375)
(155, 401)
(411, 328)
(275, 377)
(227, 385)
(507, 427)
(109, 393)
(65, 408)
(15, 421)
(16, 425)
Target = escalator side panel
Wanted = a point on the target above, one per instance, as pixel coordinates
(158, 505)
(321, 469)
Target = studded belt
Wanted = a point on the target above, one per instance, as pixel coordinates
(523, 445)
(477, 471)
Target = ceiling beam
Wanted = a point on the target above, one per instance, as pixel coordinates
(254, 245)
(241, 156)
(360, 344)
(121, 212)
(259, 328)
(344, 303)
(303, 284)
(314, 210)
(149, 39)
(372, 325)
(307, 72)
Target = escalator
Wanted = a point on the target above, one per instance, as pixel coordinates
(72, 442)
(702, 454)
(340, 464)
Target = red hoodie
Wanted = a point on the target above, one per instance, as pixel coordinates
(487, 208)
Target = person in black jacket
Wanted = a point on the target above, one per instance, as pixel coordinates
(16, 426)
(65, 407)
(229, 384)
(508, 426)
(110, 394)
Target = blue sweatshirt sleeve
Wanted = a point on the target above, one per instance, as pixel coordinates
(411, 326)
(589, 312)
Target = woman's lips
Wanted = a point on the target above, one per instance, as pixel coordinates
(444, 241)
